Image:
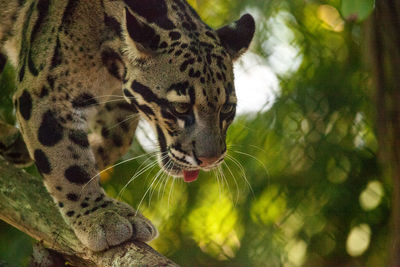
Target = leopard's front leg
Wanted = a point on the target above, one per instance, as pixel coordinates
(55, 132)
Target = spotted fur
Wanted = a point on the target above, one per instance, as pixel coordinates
(168, 65)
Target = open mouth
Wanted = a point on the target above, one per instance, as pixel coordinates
(189, 174)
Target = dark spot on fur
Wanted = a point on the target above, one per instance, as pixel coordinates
(179, 88)
(3, 61)
(149, 228)
(43, 10)
(123, 125)
(185, 64)
(72, 197)
(105, 132)
(154, 11)
(25, 105)
(210, 34)
(23, 53)
(113, 62)
(94, 209)
(79, 137)
(42, 161)
(44, 92)
(161, 140)
(174, 36)
(114, 25)
(128, 94)
(84, 100)
(50, 130)
(60, 204)
(99, 198)
(13, 155)
(147, 93)
(77, 175)
(163, 45)
(117, 140)
(57, 56)
(70, 213)
(51, 80)
(69, 12)
(146, 110)
(141, 33)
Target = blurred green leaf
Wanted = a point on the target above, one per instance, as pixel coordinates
(357, 10)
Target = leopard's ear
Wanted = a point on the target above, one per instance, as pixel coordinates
(236, 37)
(145, 23)
(143, 36)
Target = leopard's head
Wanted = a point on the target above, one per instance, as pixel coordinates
(180, 78)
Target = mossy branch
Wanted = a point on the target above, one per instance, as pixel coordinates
(25, 204)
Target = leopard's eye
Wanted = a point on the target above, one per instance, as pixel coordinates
(227, 108)
(181, 108)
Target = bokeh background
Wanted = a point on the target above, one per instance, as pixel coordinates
(302, 184)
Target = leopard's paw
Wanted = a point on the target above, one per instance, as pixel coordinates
(112, 225)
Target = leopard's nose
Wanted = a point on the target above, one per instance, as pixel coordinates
(207, 161)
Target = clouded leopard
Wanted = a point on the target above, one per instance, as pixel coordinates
(157, 55)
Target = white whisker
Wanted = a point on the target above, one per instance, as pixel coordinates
(219, 184)
(106, 96)
(237, 163)
(164, 180)
(170, 166)
(106, 102)
(159, 173)
(236, 183)
(224, 180)
(113, 166)
(130, 117)
(137, 174)
(140, 203)
(170, 191)
(253, 157)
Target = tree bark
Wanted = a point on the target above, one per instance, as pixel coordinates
(25, 204)
(385, 55)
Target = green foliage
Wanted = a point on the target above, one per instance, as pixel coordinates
(357, 10)
(15, 247)
(301, 184)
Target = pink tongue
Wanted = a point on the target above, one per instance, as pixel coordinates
(190, 176)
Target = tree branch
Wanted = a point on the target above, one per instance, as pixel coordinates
(25, 204)
(385, 62)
